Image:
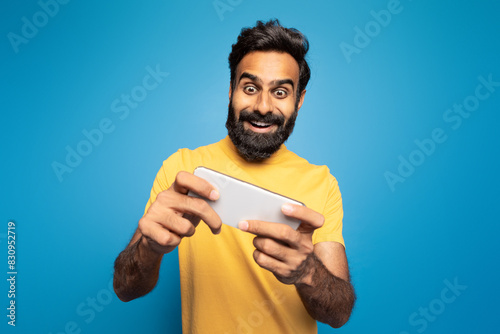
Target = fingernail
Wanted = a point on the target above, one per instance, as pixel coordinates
(287, 208)
(243, 225)
(214, 195)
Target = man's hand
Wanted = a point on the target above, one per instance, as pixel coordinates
(174, 215)
(320, 272)
(282, 250)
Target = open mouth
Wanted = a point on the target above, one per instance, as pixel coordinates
(260, 125)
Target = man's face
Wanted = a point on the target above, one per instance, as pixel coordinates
(263, 103)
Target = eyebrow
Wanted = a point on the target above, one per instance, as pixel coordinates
(259, 80)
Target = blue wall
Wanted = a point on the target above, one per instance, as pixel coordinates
(404, 109)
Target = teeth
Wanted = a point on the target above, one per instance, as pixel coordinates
(260, 124)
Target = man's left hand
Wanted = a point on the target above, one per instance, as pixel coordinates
(286, 252)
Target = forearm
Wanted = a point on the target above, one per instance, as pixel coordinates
(136, 270)
(327, 298)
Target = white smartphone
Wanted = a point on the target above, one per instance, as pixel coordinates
(240, 200)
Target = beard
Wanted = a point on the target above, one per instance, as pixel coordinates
(254, 146)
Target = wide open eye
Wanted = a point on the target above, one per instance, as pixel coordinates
(280, 93)
(250, 90)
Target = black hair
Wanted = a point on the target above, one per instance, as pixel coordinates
(272, 36)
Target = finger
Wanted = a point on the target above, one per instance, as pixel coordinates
(270, 263)
(278, 268)
(184, 182)
(310, 219)
(158, 234)
(163, 213)
(177, 224)
(172, 202)
(273, 248)
(277, 231)
(198, 207)
(192, 219)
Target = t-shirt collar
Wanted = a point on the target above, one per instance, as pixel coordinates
(232, 152)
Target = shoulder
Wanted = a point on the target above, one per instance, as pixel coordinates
(186, 158)
(302, 165)
(199, 151)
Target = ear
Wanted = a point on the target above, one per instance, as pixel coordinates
(301, 100)
(230, 90)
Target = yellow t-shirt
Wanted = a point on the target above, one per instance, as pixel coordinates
(223, 290)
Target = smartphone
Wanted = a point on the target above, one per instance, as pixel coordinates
(240, 200)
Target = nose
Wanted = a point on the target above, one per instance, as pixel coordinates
(264, 103)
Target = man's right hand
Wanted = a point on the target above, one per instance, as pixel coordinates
(175, 215)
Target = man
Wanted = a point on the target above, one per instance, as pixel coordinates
(263, 277)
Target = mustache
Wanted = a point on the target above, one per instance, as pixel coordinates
(255, 116)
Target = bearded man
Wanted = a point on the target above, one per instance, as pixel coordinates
(263, 277)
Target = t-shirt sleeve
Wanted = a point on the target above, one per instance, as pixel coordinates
(164, 178)
(333, 213)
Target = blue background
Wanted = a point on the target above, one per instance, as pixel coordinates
(362, 114)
